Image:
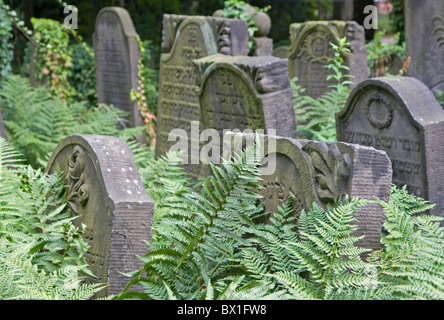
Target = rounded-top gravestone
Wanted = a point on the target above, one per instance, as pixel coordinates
(401, 116)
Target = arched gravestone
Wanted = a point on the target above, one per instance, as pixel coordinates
(310, 51)
(239, 93)
(186, 38)
(401, 116)
(320, 172)
(281, 52)
(117, 54)
(105, 191)
(424, 38)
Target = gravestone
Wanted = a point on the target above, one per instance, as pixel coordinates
(424, 38)
(105, 192)
(262, 44)
(310, 51)
(320, 172)
(281, 52)
(186, 38)
(117, 54)
(239, 93)
(401, 116)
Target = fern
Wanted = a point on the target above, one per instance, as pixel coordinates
(41, 251)
(21, 279)
(199, 238)
(412, 261)
(36, 122)
(207, 246)
(319, 259)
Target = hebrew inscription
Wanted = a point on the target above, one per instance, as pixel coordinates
(184, 40)
(401, 117)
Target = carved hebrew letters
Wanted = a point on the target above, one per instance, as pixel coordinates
(245, 93)
(184, 40)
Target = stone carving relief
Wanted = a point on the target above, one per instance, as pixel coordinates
(78, 186)
(332, 170)
(438, 30)
(379, 110)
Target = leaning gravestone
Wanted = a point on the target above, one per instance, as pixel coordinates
(320, 172)
(117, 55)
(424, 38)
(105, 191)
(401, 116)
(239, 93)
(311, 49)
(186, 38)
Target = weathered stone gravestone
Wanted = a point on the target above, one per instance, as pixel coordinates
(424, 37)
(320, 172)
(281, 52)
(310, 51)
(117, 54)
(262, 44)
(105, 191)
(401, 116)
(239, 93)
(186, 38)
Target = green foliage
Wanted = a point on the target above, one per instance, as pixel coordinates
(206, 246)
(411, 263)
(146, 93)
(198, 238)
(36, 121)
(320, 260)
(316, 116)
(41, 251)
(380, 53)
(6, 47)
(82, 76)
(52, 58)
(237, 9)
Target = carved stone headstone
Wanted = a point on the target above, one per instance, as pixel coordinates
(401, 116)
(117, 54)
(186, 38)
(105, 191)
(281, 52)
(310, 51)
(424, 37)
(241, 92)
(320, 172)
